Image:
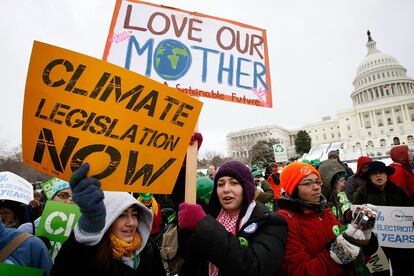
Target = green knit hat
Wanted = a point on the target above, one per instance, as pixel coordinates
(257, 174)
(204, 188)
(145, 196)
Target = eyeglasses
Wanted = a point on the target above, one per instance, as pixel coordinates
(63, 195)
(309, 183)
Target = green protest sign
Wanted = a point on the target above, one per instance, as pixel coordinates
(18, 270)
(58, 220)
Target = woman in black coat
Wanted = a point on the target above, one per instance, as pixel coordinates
(112, 236)
(238, 236)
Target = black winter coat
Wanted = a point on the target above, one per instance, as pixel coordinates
(83, 263)
(392, 195)
(265, 233)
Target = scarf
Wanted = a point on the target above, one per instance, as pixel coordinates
(229, 224)
(121, 248)
(298, 205)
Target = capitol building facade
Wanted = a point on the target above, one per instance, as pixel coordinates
(382, 116)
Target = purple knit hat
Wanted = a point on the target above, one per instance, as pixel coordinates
(240, 172)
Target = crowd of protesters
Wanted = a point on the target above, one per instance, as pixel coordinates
(297, 220)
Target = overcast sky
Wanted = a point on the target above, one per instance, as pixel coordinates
(314, 49)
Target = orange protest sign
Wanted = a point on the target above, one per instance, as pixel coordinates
(132, 130)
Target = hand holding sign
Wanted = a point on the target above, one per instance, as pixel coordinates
(88, 195)
(197, 137)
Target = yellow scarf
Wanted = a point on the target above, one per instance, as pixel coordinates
(121, 248)
(153, 204)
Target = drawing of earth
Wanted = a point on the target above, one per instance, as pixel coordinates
(172, 59)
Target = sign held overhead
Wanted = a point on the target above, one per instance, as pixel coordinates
(132, 130)
(198, 54)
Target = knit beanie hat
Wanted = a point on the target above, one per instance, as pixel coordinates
(240, 172)
(145, 196)
(54, 186)
(292, 174)
(204, 188)
(335, 179)
(333, 153)
(257, 174)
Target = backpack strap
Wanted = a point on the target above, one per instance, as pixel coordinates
(11, 246)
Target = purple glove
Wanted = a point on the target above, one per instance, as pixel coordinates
(189, 215)
(197, 136)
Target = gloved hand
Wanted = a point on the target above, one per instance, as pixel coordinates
(86, 193)
(189, 215)
(342, 251)
(363, 218)
(197, 136)
(359, 230)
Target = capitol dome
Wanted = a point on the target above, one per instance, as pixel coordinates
(379, 76)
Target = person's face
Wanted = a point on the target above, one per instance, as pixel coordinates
(333, 158)
(309, 188)
(7, 216)
(38, 196)
(230, 194)
(125, 226)
(211, 170)
(146, 202)
(364, 168)
(379, 179)
(64, 196)
(340, 185)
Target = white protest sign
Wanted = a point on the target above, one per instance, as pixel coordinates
(280, 153)
(200, 55)
(16, 188)
(394, 226)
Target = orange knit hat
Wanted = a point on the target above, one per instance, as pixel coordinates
(292, 174)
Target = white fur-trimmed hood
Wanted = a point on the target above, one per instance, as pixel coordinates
(115, 203)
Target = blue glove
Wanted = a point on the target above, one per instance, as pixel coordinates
(87, 194)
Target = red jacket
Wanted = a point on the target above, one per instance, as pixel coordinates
(307, 249)
(403, 175)
(157, 221)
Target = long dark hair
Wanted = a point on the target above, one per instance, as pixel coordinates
(104, 258)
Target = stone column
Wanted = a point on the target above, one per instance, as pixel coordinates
(384, 122)
(370, 118)
(361, 120)
(406, 112)
(393, 115)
